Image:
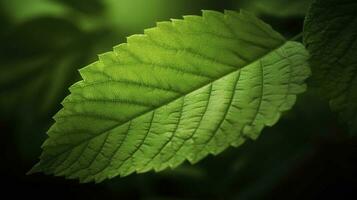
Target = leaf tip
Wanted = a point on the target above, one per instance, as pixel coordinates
(35, 169)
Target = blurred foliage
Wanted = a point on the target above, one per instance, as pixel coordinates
(279, 8)
(44, 42)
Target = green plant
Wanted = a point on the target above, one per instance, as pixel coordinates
(192, 87)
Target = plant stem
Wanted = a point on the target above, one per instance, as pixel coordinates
(297, 37)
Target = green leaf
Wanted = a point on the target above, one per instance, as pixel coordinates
(330, 36)
(183, 90)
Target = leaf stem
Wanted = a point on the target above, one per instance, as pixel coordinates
(297, 37)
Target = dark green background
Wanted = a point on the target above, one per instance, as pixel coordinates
(307, 155)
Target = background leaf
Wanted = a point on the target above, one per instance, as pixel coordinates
(330, 35)
(278, 8)
(48, 56)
